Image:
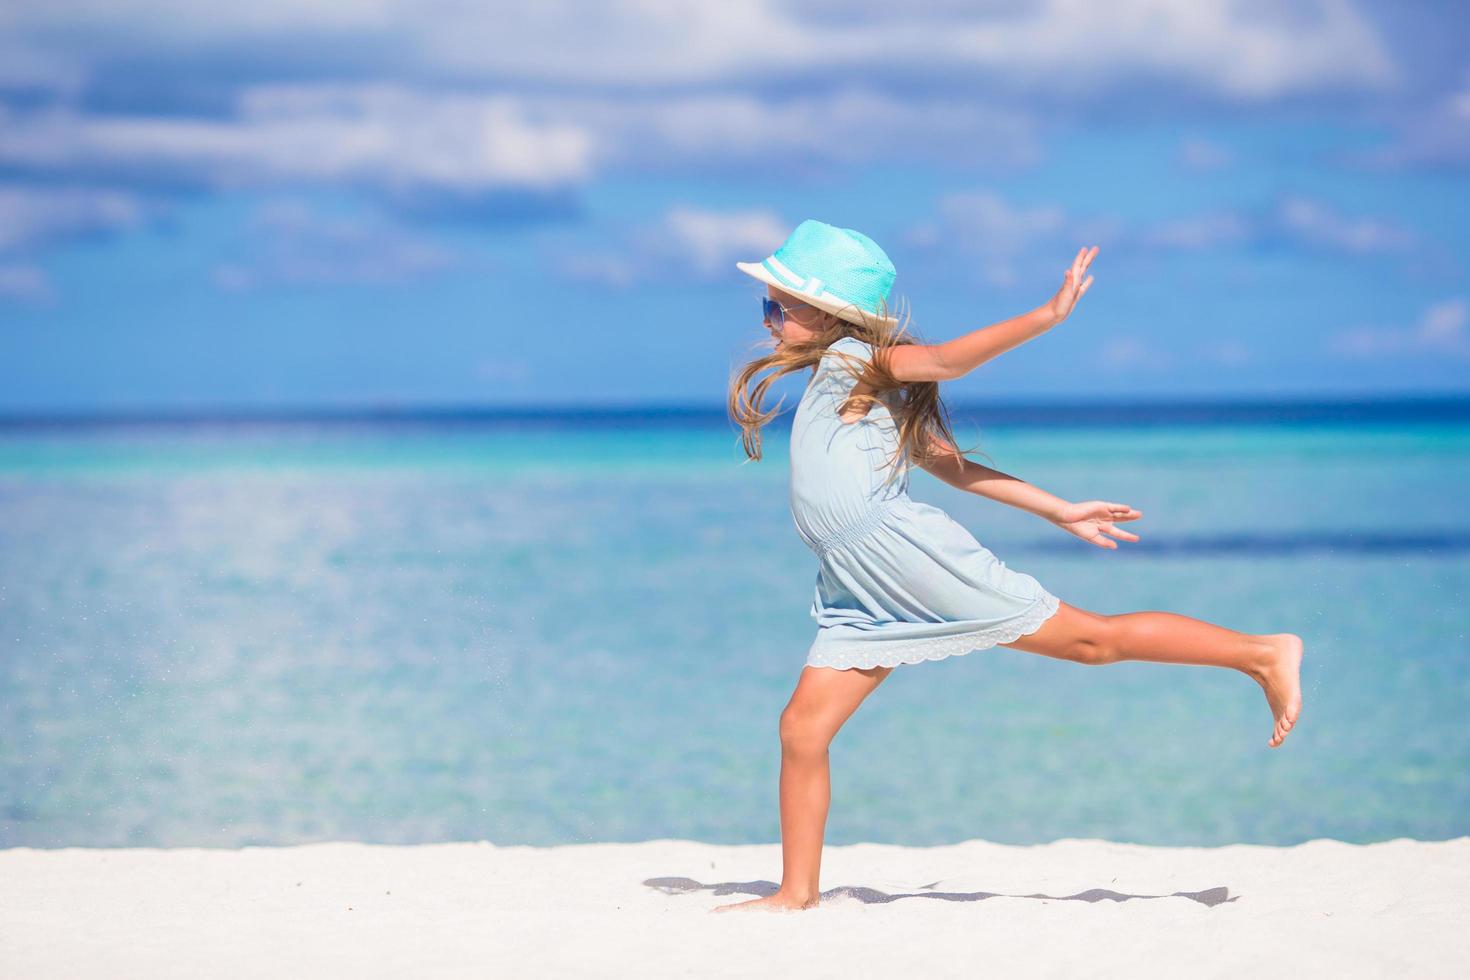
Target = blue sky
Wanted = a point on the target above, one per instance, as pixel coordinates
(380, 203)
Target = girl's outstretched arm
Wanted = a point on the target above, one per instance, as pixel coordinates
(956, 358)
(1089, 520)
(972, 477)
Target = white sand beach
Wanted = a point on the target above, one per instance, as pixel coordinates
(1068, 908)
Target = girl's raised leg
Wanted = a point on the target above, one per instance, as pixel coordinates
(1272, 660)
(823, 700)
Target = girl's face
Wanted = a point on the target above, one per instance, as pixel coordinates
(801, 318)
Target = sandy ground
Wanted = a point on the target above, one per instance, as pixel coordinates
(1066, 909)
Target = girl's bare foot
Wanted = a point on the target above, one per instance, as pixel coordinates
(1280, 677)
(777, 902)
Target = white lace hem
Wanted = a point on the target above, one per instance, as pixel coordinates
(845, 655)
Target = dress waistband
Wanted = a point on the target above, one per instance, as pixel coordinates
(864, 525)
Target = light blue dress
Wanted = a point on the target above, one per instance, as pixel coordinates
(898, 581)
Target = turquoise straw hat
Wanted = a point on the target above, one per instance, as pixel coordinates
(835, 269)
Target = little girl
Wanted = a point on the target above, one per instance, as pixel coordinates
(898, 581)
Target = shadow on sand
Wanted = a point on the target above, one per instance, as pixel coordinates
(1209, 897)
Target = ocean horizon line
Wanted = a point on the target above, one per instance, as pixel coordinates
(1018, 412)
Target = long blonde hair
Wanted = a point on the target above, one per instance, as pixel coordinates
(919, 415)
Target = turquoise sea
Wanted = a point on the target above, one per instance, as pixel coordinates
(544, 628)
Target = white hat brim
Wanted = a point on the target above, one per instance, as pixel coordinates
(847, 311)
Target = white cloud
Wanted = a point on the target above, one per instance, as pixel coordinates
(1198, 231)
(1063, 47)
(396, 139)
(852, 122)
(25, 282)
(378, 134)
(1004, 243)
(1438, 135)
(616, 271)
(574, 90)
(184, 22)
(1200, 154)
(23, 67)
(984, 224)
(1317, 223)
(683, 243)
(1230, 353)
(1293, 218)
(1127, 353)
(712, 241)
(503, 370)
(291, 243)
(1440, 330)
(982, 220)
(31, 216)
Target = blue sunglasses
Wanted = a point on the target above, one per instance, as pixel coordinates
(775, 313)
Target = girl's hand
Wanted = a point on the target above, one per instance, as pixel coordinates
(1091, 520)
(1073, 286)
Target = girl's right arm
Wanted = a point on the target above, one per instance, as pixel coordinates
(1090, 520)
(965, 474)
(956, 358)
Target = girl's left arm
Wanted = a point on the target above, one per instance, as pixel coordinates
(1089, 520)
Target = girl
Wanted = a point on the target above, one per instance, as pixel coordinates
(898, 581)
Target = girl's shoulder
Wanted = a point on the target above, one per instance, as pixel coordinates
(844, 360)
(851, 345)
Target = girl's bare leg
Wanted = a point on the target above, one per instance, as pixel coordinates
(824, 698)
(1272, 660)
